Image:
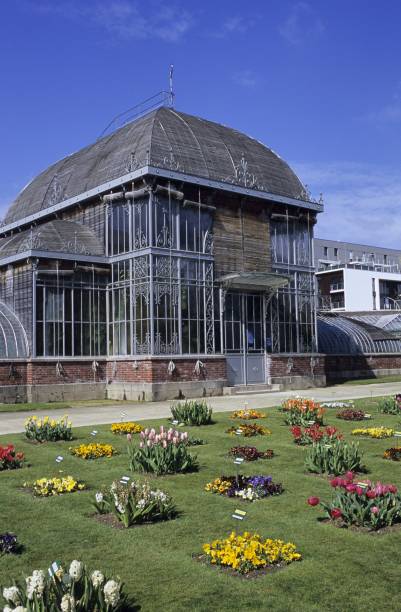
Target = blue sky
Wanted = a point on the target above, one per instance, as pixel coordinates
(318, 81)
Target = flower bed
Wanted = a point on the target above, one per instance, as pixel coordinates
(314, 433)
(126, 428)
(247, 414)
(9, 459)
(373, 432)
(250, 453)
(248, 430)
(390, 405)
(394, 453)
(9, 544)
(165, 452)
(363, 504)
(301, 411)
(75, 590)
(248, 488)
(351, 415)
(192, 412)
(48, 430)
(249, 551)
(335, 458)
(93, 451)
(133, 503)
(47, 487)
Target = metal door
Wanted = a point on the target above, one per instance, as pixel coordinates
(243, 338)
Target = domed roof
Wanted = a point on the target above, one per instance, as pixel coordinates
(168, 139)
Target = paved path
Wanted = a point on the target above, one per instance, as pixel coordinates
(13, 422)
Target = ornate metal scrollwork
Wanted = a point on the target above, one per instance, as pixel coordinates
(243, 177)
(166, 348)
(33, 242)
(141, 267)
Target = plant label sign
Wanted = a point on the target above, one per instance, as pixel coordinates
(238, 460)
(311, 422)
(123, 414)
(239, 515)
(238, 432)
(367, 415)
(53, 568)
(397, 434)
(174, 422)
(125, 480)
(363, 485)
(59, 459)
(94, 432)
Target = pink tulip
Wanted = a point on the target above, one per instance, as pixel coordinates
(149, 443)
(129, 437)
(374, 510)
(164, 444)
(392, 488)
(350, 488)
(313, 501)
(161, 429)
(146, 431)
(349, 476)
(140, 444)
(359, 490)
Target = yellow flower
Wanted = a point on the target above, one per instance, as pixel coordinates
(125, 428)
(93, 451)
(373, 432)
(44, 487)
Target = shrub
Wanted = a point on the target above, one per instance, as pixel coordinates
(162, 453)
(394, 453)
(334, 458)
(247, 414)
(250, 453)
(373, 432)
(249, 430)
(351, 415)
(75, 590)
(248, 488)
(192, 412)
(308, 435)
(301, 411)
(126, 428)
(47, 487)
(48, 430)
(364, 504)
(9, 459)
(93, 451)
(390, 405)
(135, 503)
(248, 552)
(8, 543)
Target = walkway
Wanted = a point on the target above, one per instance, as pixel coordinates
(13, 422)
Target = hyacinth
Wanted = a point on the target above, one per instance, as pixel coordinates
(164, 437)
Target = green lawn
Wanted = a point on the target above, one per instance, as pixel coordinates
(23, 407)
(370, 381)
(340, 571)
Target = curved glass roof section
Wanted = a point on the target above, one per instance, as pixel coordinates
(168, 139)
(339, 334)
(13, 339)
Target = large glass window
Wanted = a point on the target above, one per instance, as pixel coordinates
(291, 242)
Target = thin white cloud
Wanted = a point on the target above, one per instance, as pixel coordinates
(122, 19)
(301, 24)
(390, 112)
(246, 78)
(362, 201)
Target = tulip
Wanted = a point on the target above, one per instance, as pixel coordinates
(140, 444)
(313, 501)
(359, 490)
(349, 476)
(374, 510)
(351, 488)
(392, 488)
(161, 429)
(164, 444)
(129, 437)
(334, 482)
(371, 494)
(335, 513)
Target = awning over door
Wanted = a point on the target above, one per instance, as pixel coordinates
(254, 281)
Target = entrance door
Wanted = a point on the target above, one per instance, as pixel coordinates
(243, 336)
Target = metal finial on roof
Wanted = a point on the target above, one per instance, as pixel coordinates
(172, 94)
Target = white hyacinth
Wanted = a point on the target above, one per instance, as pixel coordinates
(99, 497)
(12, 594)
(97, 578)
(76, 569)
(67, 604)
(35, 584)
(111, 592)
(20, 609)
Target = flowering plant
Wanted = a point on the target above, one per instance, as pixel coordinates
(46, 487)
(248, 488)
(390, 405)
(248, 414)
(346, 404)
(93, 451)
(165, 452)
(364, 504)
(373, 432)
(248, 430)
(9, 459)
(351, 415)
(48, 430)
(126, 428)
(248, 552)
(8, 543)
(335, 457)
(314, 433)
(301, 411)
(393, 453)
(75, 590)
(192, 412)
(134, 503)
(250, 453)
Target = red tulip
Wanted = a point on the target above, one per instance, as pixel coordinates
(313, 501)
(350, 488)
(392, 488)
(349, 476)
(334, 482)
(335, 513)
(371, 494)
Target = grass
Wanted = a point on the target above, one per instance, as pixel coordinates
(340, 571)
(369, 381)
(24, 407)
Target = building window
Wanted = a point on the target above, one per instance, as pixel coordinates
(335, 252)
(325, 251)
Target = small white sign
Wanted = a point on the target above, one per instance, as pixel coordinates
(59, 459)
(397, 434)
(174, 422)
(363, 485)
(53, 568)
(94, 432)
(311, 422)
(239, 515)
(367, 415)
(238, 432)
(125, 480)
(238, 460)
